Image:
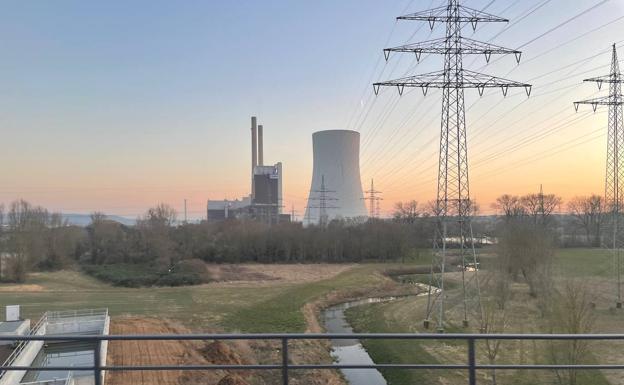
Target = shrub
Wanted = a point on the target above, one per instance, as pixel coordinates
(142, 275)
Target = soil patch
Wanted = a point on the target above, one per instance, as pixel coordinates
(165, 353)
(225, 275)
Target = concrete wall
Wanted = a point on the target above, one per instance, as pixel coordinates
(76, 325)
(336, 156)
(25, 358)
(22, 330)
(104, 347)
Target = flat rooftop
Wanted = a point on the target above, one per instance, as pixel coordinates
(10, 326)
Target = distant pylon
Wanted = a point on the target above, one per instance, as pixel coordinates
(453, 204)
(614, 181)
(293, 214)
(323, 198)
(373, 198)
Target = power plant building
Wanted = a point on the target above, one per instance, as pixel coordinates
(265, 201)
(336, 170)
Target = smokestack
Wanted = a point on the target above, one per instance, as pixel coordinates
(254, 152)
(260, 147)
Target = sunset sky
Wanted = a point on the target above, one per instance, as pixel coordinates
(118, 105)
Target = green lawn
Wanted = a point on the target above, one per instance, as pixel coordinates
(584, 262)
(267, 308)
(397, 317)
(277, 308)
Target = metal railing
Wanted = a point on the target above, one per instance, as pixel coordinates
(50, 317)
(286, 367)
(20, 343)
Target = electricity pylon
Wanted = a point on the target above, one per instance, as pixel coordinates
(373, 198)
(453, 205)
(615, 166)
(323, 199)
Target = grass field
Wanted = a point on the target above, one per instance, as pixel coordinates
(276, 306)
(248, 307)
(406, 315)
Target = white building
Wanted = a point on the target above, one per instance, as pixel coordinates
(336, 156)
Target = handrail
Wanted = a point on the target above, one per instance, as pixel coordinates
(285, 366)
(22, 343)
(77, 313)
(56, 317)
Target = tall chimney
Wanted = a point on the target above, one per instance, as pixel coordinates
(260, 147)
(254, 152)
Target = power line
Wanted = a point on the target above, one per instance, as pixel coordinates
(614, 180)
(529, 11)
(323, 198)
(453, 201)
(373, 198)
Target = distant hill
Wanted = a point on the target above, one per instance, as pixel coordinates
(85, 219)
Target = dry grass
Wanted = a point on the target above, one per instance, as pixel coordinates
(257, 274)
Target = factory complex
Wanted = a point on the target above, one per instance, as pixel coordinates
(335, 190)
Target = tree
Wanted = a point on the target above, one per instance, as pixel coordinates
(540, 206)
(406, 212)
(509, 205)
(588, 212)
(155, 230)
(26, 244)
(494, 321)
(527, 250)
(571, 314)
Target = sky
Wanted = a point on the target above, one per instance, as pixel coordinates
(115, 106)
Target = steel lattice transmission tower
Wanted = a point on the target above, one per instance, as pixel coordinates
(373, 198)
(453, 205)
(324, 197)
(614, 181)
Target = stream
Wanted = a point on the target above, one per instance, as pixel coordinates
(351, 351)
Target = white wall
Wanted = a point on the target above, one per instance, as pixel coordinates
(337, 157)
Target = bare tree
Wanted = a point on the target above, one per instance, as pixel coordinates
(509, 205)
(155, 229)
(406, 212)
(540, 206)
(527, 250)
(571, 314)
(588, 211)
(494, 321)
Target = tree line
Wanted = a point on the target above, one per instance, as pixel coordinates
(33, 238)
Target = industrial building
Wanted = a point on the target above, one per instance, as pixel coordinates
(265, 201)
(336, 187)
(224, 209)
(35, 353)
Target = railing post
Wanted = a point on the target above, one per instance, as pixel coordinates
(97, 363)
(285, 361)
(472, 370)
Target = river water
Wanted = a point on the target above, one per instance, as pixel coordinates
(351, 352)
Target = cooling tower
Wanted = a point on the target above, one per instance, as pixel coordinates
(337, 164)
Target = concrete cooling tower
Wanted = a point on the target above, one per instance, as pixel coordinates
(336, 187)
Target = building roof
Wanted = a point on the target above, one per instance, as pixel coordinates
(10, 326)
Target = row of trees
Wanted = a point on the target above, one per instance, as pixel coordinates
(524, 254)
(32, 238)
(584, 221)
(235, 241)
